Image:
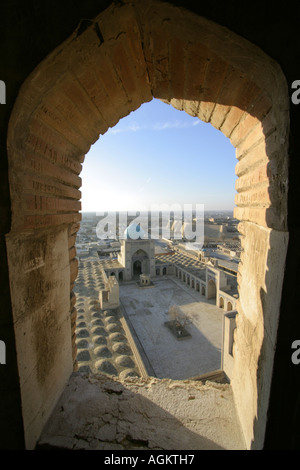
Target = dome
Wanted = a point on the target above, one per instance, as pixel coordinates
(134, 232)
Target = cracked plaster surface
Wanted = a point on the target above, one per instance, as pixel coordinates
(96, 412)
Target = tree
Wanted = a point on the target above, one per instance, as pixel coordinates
(177, 316)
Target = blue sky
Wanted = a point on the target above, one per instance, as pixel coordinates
(158, 155)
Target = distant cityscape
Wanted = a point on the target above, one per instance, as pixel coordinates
(221, 236)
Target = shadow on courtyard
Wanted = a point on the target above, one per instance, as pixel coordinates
(164, 355)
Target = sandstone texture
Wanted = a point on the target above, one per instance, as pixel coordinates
(96, 412)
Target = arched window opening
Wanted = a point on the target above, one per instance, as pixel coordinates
(197, 67)
(162, 139)
(211, 289)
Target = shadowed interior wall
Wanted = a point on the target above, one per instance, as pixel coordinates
(105, 70)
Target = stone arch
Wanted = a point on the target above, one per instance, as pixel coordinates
(136, 268)
(140, 253)
(229, 306)
(211, 289)
(140, 262)
(146, 49)
(221, 302)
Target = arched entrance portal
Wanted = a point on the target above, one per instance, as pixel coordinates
(140, 263)
(211, 289)
(80, 90)
(137, 269)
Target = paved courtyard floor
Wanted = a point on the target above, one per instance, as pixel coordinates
(164, 356)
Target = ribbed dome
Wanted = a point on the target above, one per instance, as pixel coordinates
(134, 232)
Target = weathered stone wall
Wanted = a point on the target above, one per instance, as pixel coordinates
(260, 283)
(143, 414)
(39, 273)
(109, 296)
(129, 54)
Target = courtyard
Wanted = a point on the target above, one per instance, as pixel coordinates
(164, 356)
